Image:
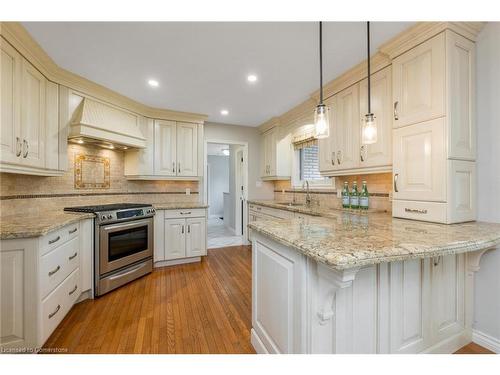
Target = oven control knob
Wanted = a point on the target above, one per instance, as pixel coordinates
(103, 217)
(153, 210)
(110, 216)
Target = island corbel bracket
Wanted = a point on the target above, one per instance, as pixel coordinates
(330, 281)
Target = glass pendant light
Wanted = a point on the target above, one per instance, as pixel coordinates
(369, 126)
(321, 112)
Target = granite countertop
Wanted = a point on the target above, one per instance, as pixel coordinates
(346, 240)
(178, 205)
(34, 225)
(313, 210)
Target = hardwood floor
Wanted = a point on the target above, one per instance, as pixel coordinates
(473, 348)
(193, 308)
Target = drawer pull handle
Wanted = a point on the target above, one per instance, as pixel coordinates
(73, 256)
(415, 211)
(55, 312)
(55, 271)
(396, 175)
(173, 167)
(186, 213)
(182, 231)
(54, 240)
(189, 228)
(73, 231)
(74, 290)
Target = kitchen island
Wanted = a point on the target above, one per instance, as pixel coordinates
(364, 283)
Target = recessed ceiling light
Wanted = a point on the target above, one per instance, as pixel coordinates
(111, 147)
(153, 83)
(252, 78)
(80, 141)
(224, 112)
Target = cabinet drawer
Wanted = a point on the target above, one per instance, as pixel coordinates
(56, 265)
(59, 302)
(188, 212)
(425, 211)
(57, 238)
(273, 212)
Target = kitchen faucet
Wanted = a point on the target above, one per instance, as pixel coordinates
(308, 195)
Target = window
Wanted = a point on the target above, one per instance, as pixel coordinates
(306, 168)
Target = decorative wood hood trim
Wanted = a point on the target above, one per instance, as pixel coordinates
(401, 43)
(19, 37)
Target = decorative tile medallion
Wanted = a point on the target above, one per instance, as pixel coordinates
(92, 172)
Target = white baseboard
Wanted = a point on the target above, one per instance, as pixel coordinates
(486, 341)
(257, 344)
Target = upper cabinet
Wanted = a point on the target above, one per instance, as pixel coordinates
(342, 153)
(276, 155)
(29, 135)
(173, 151)
(434, 136)
(418, 83)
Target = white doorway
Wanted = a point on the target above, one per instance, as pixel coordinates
(224, 190)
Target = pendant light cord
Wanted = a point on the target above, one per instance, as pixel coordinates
(369, 70)
(320, 62)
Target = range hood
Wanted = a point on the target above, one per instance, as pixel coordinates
(99, 124)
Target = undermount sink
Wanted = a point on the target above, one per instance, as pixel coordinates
(291, 204)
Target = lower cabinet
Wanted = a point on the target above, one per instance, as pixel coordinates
(411, 306)
(181, 235)
(41, 279)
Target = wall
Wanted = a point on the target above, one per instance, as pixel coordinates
(23, 193)
(257, 189)
(487, 287)
(219, 183)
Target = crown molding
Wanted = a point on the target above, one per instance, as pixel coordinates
(269, 124)
(401, 43)
(21, 40)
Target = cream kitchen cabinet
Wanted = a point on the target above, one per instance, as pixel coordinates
(173, 152)
(419, 83)
(434, 131)
(180, 236)
(276, 155)
(343, 153)
(29, 134)
(42, 278)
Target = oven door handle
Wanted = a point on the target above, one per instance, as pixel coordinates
(122, 225)
(126, 272)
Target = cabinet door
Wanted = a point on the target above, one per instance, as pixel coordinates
(175, 238)
(52, 126)
(346, 124)
(409, 301)
(33, 112)
(10, 141)
(327, 153)
(448, 291)
(159, 236)
(165, 148)
(420, 162)
(273, 142)
(196, 237)
(141, 161)
(378, 154)
(419, 83)
(267, 139)
(187, 149)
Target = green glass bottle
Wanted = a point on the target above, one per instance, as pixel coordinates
(354, 196)
(364, 197)
(345, 195)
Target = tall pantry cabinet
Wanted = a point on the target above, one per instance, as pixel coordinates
(434, 169)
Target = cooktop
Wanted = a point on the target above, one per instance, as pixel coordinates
(107, 207)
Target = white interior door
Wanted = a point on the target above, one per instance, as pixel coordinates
(165, 148)
(239, 192)
(175, 238)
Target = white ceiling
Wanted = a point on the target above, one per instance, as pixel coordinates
(202, 67)
(216, 149)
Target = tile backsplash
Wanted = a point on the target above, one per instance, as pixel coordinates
(379, 187)
(26, 193)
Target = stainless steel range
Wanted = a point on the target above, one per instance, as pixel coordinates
(123, 243)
